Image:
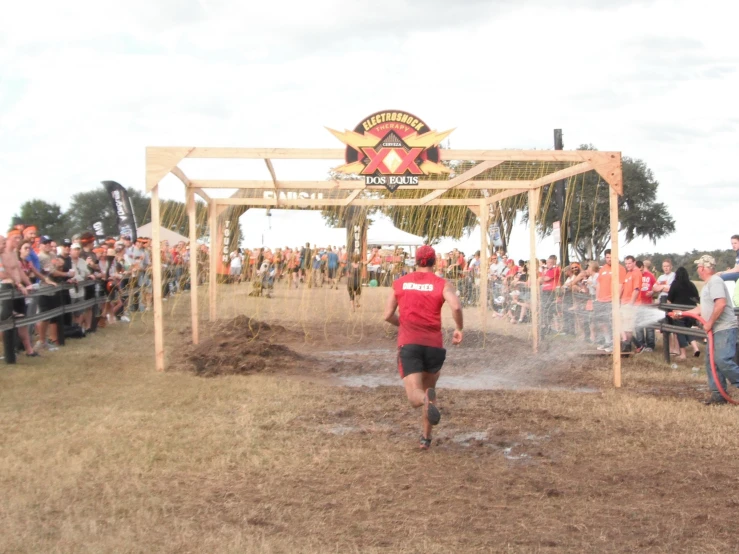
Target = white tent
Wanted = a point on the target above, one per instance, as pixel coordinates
(287, 228)
(165, 234)
(383, 233)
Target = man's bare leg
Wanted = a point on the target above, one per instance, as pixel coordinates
(26, 340)
(416, 385)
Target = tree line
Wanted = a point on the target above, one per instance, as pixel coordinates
(87, 208)
(725, 259)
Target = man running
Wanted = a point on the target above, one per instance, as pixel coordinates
(420, 296)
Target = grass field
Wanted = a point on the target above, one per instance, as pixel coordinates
(99, 453)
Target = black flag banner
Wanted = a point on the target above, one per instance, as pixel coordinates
(99, 231)
(123, 208)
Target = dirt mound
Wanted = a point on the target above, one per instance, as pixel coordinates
(238, 346)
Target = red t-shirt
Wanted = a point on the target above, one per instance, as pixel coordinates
(647, 284)
(553, 273)
(420, 296)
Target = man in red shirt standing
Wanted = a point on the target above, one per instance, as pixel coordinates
(419, 297)
(647, 285)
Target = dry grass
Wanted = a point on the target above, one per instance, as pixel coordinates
(98, 453)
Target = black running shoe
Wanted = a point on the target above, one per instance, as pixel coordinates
(425, 443)
(433, 416)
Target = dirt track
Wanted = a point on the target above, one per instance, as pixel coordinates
(112, 456)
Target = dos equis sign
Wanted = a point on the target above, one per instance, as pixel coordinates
(391, 149)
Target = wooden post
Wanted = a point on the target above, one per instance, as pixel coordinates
(213, 277)
(156, 265)
(192, 220)
(484, 262)
(615, 287)
(534, 267)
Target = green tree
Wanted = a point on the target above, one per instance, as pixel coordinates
(725, 259)
(587, 209)
(47, 217)
(88, 207)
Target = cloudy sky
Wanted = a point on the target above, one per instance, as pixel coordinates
(86, 85)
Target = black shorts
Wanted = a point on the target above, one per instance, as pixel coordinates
(89, 292)
(47, 303)
(415, 358)
(331, 272)
(19, 305)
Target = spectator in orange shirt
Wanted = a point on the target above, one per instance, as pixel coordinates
(602, 313)
(630, 299)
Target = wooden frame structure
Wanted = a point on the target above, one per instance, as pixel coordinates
(560, 164)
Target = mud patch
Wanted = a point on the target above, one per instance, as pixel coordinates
(237, 346)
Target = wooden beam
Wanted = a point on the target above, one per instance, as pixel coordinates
(352, 196)
(271, 169)
(339, 153)
(615, 288)
(156, 252)
(202, 194)
(352, 185)
(562, 174)
(177, 172)
(160, 161)
(534, 196)
(212, 276)
(524, 155)
(192, 221)
(484, 209)
(611, 170)
(320, 202)
(458, 180)
(271, 153)
(503, 195)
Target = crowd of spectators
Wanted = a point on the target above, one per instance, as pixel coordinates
(116, 270)
(575, 299)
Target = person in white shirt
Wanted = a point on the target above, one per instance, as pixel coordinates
(496, 268)
(81, 273)
(662, 286)
(234, 271)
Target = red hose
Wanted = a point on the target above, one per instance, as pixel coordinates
(698, 318)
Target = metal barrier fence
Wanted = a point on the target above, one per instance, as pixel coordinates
(667, 328)
(9, 324)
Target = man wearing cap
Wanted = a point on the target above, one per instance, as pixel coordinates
(716, 309)
(419, 297)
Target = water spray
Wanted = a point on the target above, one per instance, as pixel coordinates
(698, 318)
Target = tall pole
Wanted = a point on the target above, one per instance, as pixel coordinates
(484, 222)
(213, 259)
(559, 200)
(192, 220)
(534, 266)
(615, 287)
(156, 265)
